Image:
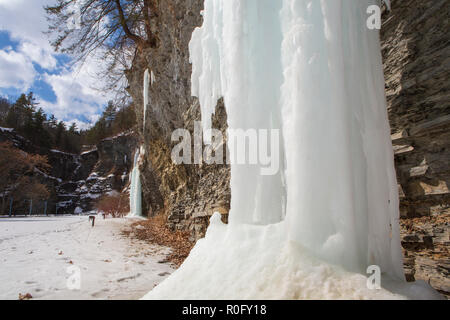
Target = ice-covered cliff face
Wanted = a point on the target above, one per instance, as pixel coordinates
(418, 110)
(313, 70)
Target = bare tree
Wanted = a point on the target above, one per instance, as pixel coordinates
(113, 28)
(115, 205)
(18, 176)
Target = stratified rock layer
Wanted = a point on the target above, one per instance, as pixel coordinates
(188, 194)
(416, 52)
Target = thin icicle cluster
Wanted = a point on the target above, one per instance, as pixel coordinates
(153, 78)
(145, 93)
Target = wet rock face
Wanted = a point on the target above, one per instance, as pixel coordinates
(416, 51)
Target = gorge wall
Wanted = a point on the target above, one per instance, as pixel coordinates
(416, 55)
(187, 194)
(77, 181)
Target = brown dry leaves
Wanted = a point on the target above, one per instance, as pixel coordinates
(155, 230)
(26, 296)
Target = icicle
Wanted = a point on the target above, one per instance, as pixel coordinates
(153, 78)
(145, 90)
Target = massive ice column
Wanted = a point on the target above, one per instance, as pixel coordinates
(342, 198)
(312, 69)
(236, 54)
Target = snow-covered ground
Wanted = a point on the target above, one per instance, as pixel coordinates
(42, 256)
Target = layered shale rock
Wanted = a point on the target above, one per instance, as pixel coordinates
(416, 52)
(188, 194)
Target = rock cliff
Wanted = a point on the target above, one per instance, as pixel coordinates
(416, 53)
(187, 194)
(415, 45)
(76, 181)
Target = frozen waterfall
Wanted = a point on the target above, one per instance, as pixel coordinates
(313, 70)
(135, 188)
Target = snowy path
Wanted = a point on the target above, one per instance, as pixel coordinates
(36, 252)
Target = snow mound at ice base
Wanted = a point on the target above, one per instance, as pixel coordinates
(256, 262)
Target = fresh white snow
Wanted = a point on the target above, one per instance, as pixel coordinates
(6, 129)
(35, 254)
(256, 262)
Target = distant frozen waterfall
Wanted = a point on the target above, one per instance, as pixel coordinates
(135, 184)
(135, 188)
(313, 70)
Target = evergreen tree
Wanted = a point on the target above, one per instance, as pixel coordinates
(4, 109)
(59, 134)
(52, 122)
(41, 135)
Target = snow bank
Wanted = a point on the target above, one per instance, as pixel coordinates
(6, 129)
(89, 151)
(257, 262)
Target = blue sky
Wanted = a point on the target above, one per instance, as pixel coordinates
(29, 63)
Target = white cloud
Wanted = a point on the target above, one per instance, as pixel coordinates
(80, 124)
(25, 20)
(16, 70)
(75, 96)
(38, 55)
(26, 23)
